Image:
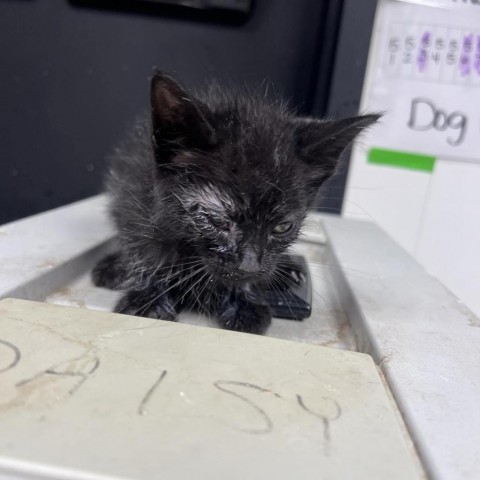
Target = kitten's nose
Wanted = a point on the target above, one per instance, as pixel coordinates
(250, 262)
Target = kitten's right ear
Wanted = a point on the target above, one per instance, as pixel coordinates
(320, 143)
(179, 121)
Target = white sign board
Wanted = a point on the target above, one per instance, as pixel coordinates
(92, 394)
(424, 73)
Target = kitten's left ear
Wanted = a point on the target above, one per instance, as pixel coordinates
(320, 143)
(179, 121)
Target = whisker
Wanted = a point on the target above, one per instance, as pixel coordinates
(192, 287)
(164, 292)
(274, 281)
(332, 266)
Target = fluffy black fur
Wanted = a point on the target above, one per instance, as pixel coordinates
(206, 194)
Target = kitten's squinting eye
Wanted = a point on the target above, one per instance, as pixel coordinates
(219, 222)
(282, 228)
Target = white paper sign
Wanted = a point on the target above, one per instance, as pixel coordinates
(424, 73)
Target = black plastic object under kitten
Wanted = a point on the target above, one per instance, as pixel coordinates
(207, 195)
(291, 296)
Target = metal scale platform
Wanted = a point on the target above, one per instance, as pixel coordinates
(359, 390)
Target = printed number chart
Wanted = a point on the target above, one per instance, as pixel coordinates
(437, 54)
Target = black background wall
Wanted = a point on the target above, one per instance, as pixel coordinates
(73, 78)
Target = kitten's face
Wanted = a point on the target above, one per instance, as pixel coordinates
(238, 240)
(240, 174)
(242, 202)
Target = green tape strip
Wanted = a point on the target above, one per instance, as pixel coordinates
(394, 158)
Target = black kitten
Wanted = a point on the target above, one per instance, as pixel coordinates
(207, 194)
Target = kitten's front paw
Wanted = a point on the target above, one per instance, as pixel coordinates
(147, 304)
(243, 316)
(109, 272)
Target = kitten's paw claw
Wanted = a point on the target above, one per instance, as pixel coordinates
(246, 317)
